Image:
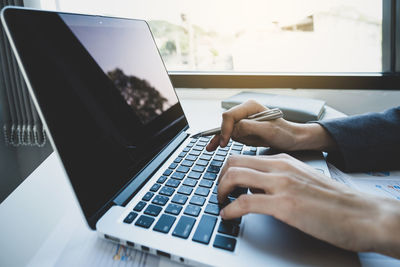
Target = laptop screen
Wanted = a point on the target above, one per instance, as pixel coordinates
(104, 93)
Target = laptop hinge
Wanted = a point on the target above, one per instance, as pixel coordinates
(140, 179)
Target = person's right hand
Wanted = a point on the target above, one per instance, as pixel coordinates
(280, 133)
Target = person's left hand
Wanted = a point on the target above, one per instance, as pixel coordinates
(301, 196)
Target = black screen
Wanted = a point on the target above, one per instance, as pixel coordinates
(104, 93)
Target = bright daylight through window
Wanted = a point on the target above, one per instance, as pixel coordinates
(257, 35)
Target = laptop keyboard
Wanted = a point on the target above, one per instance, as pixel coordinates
(188, 187)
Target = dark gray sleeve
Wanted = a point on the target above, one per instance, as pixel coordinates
(369, 142)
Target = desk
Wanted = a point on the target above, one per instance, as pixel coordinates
(42, 215)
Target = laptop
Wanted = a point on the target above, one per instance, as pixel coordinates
(118, 128)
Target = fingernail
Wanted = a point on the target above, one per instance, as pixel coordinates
(222, 213)
(221, 141)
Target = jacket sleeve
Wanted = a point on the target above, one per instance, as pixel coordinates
(369, 142)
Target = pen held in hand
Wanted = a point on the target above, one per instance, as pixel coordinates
(267, 115)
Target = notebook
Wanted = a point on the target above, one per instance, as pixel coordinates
(296, 109)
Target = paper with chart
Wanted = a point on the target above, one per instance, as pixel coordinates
(385, 184)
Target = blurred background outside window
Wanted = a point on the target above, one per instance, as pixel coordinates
(256, 35)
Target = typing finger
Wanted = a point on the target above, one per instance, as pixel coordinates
(260, 163)
(257, 203)
(243, 177)
(214, 143)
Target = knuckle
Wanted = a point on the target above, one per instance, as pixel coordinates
(226, 115)
(285, 181)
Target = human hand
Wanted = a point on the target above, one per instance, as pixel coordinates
(301, 196)
(280, 134)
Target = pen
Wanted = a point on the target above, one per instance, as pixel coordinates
(266, 115)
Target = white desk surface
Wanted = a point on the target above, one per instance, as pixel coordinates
(41, 218)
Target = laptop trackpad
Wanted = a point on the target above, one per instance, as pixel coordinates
(266, 238)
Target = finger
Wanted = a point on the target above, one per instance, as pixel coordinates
(257, 203)
(243, 177)
(214, 143)
(234, 115)
(260, 163)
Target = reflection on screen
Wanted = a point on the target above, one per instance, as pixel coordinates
(131, 64)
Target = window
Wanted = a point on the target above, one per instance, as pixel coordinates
(257, 35)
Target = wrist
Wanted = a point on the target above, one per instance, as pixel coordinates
(312, 136)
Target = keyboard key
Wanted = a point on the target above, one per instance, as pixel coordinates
(184, 227)
(197, 200)
(224, 242)
(236, 148)
(206, 183)
(160, 200)
(201, 143)
(228, 228)
(187, 163)
(215, 190)
(194, 175)
(148, 196)
(167, 172)
(216, 163)
(182, 154)
(192, 210)
(139, 206)
(186, 149)
(221, 153)
(213, 169)
(250, 153)
(201, 191)
(152, 210)
(201, 162)
(190, 145)
(199, 148)
(173, 165)
(198, 168)
(194, 140)
(210, 153)
(219, 158)
(162, 179)
(212, 209)
(210, 176)
(234, 221)
(178, 160)
(179, 199)
(164, 223)
(213, 199)
(173, 183)
(186, 190)
(235, 152)
(167, 191)
(155, 187)
(225, 149)
(204, 138)
(173, 209)
(194, 152)
(191, 157)
(131, 216)
(178, 175)
(182, 169)
(205, 229)
(144, 221)
(190, 182)
(205, 157)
